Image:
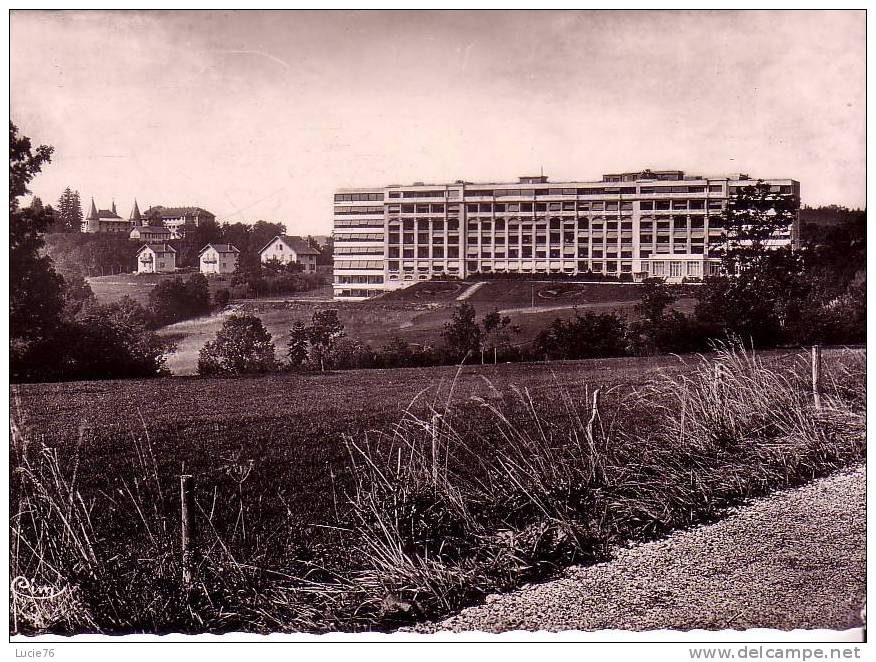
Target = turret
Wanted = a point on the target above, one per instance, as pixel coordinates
(91, 221)
(135, 217)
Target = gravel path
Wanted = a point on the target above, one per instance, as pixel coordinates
(793, 560)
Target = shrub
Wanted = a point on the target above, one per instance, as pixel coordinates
(242, 346)
(588, 335)
(221, 298)
(172, 300)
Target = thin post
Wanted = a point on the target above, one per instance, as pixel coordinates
(494, 356)
(185, 511)
(816, 375)
(436, 423)
(720, 374)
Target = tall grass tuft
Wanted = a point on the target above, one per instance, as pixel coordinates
(444, 516)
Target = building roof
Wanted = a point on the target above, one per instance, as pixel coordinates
(295, 243)
(220, 248)
(95, 214)
(154, 229)
(157, 248)
(135, 212)
(160, 211)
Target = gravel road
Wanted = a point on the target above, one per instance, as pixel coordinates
(795, 559)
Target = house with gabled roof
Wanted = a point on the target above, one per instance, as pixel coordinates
(285, 249)
(105, 220)
(218, 259)
(156, 259)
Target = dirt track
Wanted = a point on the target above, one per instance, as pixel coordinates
(793, 560)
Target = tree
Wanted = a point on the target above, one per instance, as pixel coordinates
(24, 164)
(113, 340)
(262, 232)
(656, 297)
(755, 215)
(495, 332)
(69, 215)
(325, 328)
(221, 297)
(586, 336)
(195, 238)
(297, 346)
(172, 300)
(242, 346)
(462, 335)
(763, 288)
(36, 300)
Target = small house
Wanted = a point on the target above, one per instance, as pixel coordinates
(285, 249)
(218, 259)
(156, 259)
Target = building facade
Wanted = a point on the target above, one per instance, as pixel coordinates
(105, 220)
(152, 233)
(285, 249)
(640, 224)
(176, 219)
(218, 259)
(156, 259)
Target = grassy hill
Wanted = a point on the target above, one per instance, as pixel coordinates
(417, 314)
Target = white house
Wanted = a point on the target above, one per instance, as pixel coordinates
(285, 249)
(156, 258)
(218, 259)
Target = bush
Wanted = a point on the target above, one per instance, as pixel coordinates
(591, 335)
(242, 346)
(221, 297)
(173, 300)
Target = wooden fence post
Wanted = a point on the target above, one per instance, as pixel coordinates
(816, 375)
(185, 511)
(436, 424)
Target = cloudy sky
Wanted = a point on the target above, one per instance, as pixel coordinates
(262, 115)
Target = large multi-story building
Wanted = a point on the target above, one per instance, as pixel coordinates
(176, 219)
(640, 224)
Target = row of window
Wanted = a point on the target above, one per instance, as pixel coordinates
(423, 252)
(359, 280)
(357, 250)
(358, 197)
(358, 223)
(359, 236)
(343, 211)
(357, 293)
(452, 193)
(582, 223)
(359, 264)
(553, 191)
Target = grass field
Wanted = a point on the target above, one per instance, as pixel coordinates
(285, 488)
(137, 286)
(417, 314)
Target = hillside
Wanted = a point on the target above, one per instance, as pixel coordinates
(416, 314)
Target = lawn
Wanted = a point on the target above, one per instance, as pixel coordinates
(108, 289)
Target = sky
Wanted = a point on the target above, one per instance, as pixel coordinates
(262, 115)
